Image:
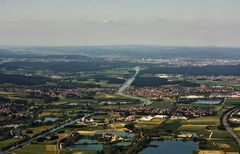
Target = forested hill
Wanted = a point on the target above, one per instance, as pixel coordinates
(197, 70)
(22, 79)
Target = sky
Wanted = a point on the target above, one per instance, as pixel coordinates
(120, 22)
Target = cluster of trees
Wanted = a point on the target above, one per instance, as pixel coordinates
(22, 79)
(43, 139)
(4, 99)
(156, 82)
(149, 81)
(110, 80)
(70, 84)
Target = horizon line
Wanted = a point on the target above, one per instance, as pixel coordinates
(118, 45)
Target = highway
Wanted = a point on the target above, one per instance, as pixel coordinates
(124, 87)
(228, 128)
(30, 140)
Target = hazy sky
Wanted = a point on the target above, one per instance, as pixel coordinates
(114, 22)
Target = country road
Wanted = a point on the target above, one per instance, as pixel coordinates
(124, 87)
(228, 128)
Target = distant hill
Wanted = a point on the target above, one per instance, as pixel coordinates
(130, 51)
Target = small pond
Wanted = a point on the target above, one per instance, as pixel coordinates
(50, 119)
(208, 101)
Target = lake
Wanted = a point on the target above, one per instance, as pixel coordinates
(87, 141)
(208, 101)
(94, 147)
(123, 143)
(170, 147)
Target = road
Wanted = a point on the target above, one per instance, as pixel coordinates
(228, 128)
(124, 87)
(210, 136)
(30, 140)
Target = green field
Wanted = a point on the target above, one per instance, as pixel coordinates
(36, 149)
(149, 124)
(199, 126)
(232, 101)
(166, 103)
(221, 135)
(78, 152)
(192, 128)
(37, 130)
(208, 120)
(171, 125)
(10, 141)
